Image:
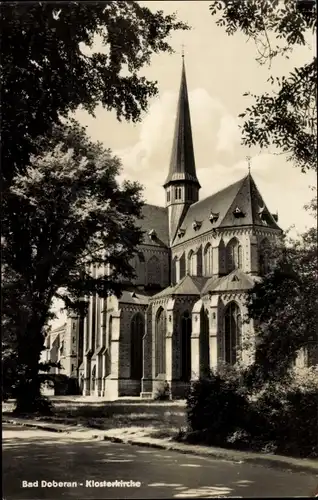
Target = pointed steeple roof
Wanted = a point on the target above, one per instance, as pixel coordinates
(182, 163)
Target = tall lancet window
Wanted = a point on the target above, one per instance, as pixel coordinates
(234, 257)
(208, 264)
(137, 330)
(264, 255)
(191, 263)
(186, 330)
(160, 342)
(232, 332)
(153, 271)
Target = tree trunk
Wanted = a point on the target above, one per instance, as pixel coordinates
(28, 389)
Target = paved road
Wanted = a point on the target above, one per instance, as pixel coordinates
(34, 455)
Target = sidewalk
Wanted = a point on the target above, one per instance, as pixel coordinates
(140, 436)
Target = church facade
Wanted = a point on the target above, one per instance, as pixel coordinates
(183, 313)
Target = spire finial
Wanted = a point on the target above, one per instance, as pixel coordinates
(182, 51)
(248, 158)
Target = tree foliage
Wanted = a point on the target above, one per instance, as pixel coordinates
(74, 220)
(285, 117)
(45, 73)
(284, 306)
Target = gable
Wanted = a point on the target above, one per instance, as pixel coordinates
(239, 204)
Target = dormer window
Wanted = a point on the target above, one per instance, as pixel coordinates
(238, 213)
(275, 217)
(152, 234)
(196, 225)
(181, 233)
(213, 217)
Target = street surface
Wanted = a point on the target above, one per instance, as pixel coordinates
(32, 455)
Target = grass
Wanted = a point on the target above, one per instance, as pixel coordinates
(163, 417)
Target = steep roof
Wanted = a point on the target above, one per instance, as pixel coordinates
(133, 297)
(189, 285)
(242, 195)
(155, 218)
(182, 162)
(236, 280)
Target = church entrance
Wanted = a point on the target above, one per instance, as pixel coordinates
(186, 330)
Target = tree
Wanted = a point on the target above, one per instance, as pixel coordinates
(284, 306)
(45, 74)
(73, 216)
(286, 117)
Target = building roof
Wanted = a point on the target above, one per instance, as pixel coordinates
(182, 162)
(189, 285)
(154, 219)
(133, 297)
(236, 280)
(243, 195)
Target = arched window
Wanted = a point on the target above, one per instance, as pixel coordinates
(153, 271)
(233, 255)
(232, 332)
(108, 359)
(182, 266)
(160, 342)
(191, 264)
(137, 329)
(208, 269)
(204, 343)
(174, 273)
(264, 249)
(186, 330)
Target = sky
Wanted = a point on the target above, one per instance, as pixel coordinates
(220, 69)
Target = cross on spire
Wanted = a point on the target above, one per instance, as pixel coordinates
(248, 158)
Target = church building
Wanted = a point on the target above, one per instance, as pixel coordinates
(183, 313)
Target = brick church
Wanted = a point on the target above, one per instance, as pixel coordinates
(182, 315)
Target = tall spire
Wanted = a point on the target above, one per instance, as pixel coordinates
(182, 163)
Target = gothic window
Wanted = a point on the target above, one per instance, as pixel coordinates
(98, 329)
(182, 266)
(168, 196)
(264, 257)
(204, 343)
(174, 273)
(232, 332)
(108, 359)
(233, 255)
(191, 264)
(208, 271)
(186, 330)
(137, 329)
(160, 342)
(153, 271)
(93, 316)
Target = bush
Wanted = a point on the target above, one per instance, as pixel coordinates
(284, 420)
(163, 393)
(216, 408)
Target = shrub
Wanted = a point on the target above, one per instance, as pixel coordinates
(284, 420)
(215, 408)
(163, 393)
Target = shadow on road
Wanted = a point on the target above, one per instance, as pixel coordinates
(36, 455)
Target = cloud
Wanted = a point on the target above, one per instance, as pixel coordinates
(229, 134)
